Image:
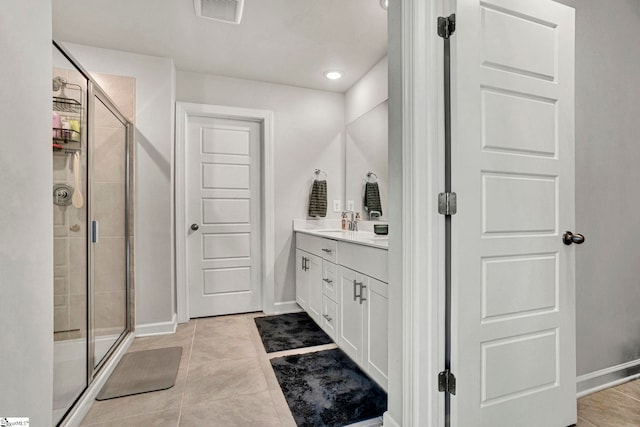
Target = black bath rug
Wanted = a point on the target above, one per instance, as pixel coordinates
(327, 389)
(289, 331)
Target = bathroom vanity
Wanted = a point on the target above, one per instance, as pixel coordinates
(341, 282)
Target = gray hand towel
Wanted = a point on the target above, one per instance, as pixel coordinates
(318, 199)
(372, 197)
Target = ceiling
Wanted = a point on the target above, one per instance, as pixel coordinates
(281, 41)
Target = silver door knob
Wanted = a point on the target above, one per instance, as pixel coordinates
(569, 238)
(194, 227)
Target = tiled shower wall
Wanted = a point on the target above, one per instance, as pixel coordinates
(109, 207)
(69, 226)
(70, 223)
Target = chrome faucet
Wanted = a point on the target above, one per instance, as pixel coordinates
(374, 215)
(353, 224)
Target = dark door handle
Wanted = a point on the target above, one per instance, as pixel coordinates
(194, 227)
(569, 238)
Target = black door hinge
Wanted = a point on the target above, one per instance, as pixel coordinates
(447, 382)
(446, 26)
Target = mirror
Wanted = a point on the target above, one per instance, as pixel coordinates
(367, 151)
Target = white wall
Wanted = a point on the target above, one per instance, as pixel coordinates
(155, 101)
(308, 135)
(366, 136)
(26, 229)
(368, 92)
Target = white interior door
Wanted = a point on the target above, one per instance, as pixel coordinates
(223, 212)
(513, 331)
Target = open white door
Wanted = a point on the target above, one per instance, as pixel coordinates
(513, 311)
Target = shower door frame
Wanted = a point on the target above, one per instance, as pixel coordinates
(95, 91)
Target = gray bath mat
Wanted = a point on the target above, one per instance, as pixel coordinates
(143, 371)
(289, 331)
(327, 389)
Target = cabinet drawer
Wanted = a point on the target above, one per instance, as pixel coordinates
(329, 279)
(364, 259)
(325, 248)
(329, 316)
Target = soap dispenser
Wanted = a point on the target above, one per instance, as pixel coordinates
(343, 222)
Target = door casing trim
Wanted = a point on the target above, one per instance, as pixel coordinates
(183, 111)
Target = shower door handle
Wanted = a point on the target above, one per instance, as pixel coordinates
(94, 231)
(569, 238)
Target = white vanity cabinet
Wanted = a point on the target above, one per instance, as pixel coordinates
(352, 294)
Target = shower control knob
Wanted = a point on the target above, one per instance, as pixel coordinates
(194, 227)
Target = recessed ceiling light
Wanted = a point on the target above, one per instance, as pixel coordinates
(333, 75)
(384, 4)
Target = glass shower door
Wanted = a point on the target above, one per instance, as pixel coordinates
(108, 192)
(69, 143)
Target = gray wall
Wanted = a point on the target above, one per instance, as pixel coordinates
(395, 387)
(26, 229)
(607, 184)
(308, 132)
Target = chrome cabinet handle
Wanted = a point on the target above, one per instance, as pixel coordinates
(326, 316)
(355, 295)
(329, 281)
(569, 238)
(362, 288)
(194, 227)
(327, 250)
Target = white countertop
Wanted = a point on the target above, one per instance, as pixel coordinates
(330, 229)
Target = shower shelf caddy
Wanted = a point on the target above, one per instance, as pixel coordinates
(67, 141)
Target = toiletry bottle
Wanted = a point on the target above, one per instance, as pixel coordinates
(56, 124)
(344, 221)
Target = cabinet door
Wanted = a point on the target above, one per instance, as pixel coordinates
(351, 313)
(314, 285)
(376, 348)
(302, 279)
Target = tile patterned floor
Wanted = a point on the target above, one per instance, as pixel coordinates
(234, 385)
(614, 407)
(229, 385)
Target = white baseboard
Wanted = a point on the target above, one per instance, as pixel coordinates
(161, 328)
(285, 307)
(606, 378)
(387, 421)
(374, 422)
(82, 407)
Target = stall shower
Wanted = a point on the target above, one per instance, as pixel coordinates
(92, 151)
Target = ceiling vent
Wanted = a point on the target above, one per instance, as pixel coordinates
(229, 11)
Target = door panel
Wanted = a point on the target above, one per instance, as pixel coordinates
(513, 332)
(302, 279)
(314, 276)
(377, 326)
(223, 199)
(351, 316)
